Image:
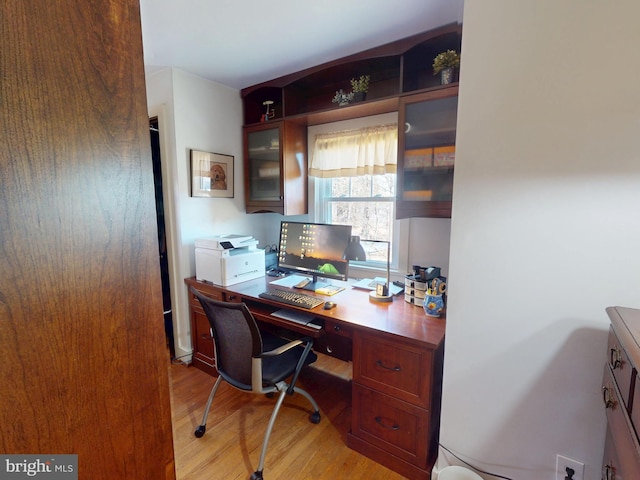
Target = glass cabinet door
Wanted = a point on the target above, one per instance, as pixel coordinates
(264, 165)
(427, 151)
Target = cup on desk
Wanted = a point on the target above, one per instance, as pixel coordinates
(434, 298)
(433, 305)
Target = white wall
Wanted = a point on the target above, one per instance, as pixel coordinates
(545, 229)
(195, 113)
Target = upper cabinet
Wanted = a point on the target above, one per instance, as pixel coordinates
(396, 70)
(426, 153)
(275, 155)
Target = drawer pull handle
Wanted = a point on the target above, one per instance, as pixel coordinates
(337, 328)
(608, 472)
(606, 397)
(381, 423)
(614, 358)
(393, 369)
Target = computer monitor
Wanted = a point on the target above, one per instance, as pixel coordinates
(314, 248)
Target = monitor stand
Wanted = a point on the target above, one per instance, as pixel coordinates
(315, 284)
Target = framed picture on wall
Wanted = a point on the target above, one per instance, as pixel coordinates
(211, 175)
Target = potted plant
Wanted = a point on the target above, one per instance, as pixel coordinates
(444, 64)
(342, 98)
(360, 87)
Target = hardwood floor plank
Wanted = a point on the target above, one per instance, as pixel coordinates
(298, 449)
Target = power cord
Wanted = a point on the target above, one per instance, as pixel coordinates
(475, 468)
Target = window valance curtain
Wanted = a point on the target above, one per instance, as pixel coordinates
(349, 153)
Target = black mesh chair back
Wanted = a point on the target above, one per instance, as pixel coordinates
(236, 338)
(254, 361)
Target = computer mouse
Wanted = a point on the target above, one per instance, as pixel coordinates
(329, 305)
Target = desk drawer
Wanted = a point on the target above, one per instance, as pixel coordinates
(399, 369)
(620, 366)
(395, 426)
(334, 328)
(213, 292)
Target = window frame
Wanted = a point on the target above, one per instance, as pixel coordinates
(321, 210)
(401, 228)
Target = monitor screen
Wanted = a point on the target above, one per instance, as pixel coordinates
(314, 248)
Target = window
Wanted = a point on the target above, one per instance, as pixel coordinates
(367, 202)
(355, 185)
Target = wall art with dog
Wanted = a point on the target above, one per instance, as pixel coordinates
(211, 174)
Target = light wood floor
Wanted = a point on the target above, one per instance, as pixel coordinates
(298, 449)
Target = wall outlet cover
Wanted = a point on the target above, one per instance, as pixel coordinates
(562, 463)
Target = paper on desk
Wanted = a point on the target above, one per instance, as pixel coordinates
(289, 281)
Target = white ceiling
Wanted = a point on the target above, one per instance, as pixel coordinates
(244, 42)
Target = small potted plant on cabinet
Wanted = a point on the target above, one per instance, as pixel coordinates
(360, 86)
(342, 98)
(445, 63)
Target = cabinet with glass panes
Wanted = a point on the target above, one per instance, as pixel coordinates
(426, 153)
(276, 168)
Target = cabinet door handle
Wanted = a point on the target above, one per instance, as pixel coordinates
(393, 369)
(608, 472)
(614, 358)
(382, 424)
(606, 397)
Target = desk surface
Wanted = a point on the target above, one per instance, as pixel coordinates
(398, 318)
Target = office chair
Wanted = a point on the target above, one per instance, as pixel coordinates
(254, 361)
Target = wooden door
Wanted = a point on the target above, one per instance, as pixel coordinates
(83, 360)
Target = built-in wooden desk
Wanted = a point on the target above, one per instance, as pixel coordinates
(397, 354)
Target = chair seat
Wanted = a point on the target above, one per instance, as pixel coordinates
(276, 369)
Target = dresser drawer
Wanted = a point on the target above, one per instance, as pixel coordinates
(620, 366)
(610, 462)
(399, 369)
(623, 437)
(394, 426)
(635, 411)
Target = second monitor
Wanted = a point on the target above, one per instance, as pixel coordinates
(316, 249)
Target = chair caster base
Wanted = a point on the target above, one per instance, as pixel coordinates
(256, 475)
(314, 417)
(200, 431)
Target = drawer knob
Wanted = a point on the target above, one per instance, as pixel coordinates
(608, 472)
(614, 358)
(337, 328)
(606, 397)
(388, 427)
(393, 369)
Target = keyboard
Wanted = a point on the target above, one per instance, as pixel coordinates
(296, 299)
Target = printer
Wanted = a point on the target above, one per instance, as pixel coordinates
(228, 259)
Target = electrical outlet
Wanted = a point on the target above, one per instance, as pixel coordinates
(568, 469)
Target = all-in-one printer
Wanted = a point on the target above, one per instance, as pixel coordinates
(228, 259)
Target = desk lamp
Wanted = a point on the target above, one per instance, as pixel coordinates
(354, 251)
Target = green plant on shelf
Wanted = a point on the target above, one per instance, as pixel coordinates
(361, 84)
(446, 59)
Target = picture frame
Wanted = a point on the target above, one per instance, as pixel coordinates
(211, 174)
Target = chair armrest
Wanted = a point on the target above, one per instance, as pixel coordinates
(284, 348)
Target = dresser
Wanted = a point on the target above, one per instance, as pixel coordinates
(621, 396)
